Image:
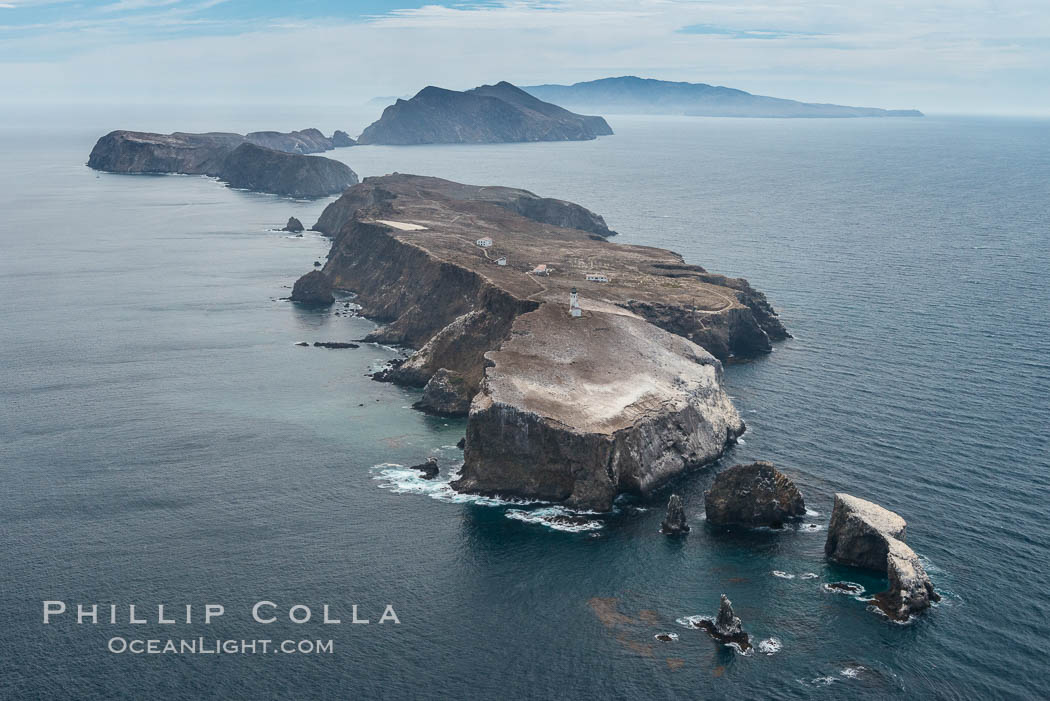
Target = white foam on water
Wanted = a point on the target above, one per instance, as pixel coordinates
(852, 672)
(812, 513)
(741, 441)
(848, 592)
(400, 479)
(782, 574)
(557, 518)
(672, 636)
(692, 621)
(822, 681)
(740, 651)
(810, 528)
(808, 575)
(770, 646)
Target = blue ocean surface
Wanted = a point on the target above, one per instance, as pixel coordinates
(162, 439)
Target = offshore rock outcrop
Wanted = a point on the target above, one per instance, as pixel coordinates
(269, 162)
(314, 289)
(727, 627)
(864, 534)
(340, 139)
(674, 521)
(562, 408)
(487, 114)
(294, 226)
(261, 169)
(753, 495)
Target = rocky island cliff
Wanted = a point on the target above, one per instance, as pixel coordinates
(487, 114)
(271, 162)
(568, 406)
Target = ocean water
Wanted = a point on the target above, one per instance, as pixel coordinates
(162, 439)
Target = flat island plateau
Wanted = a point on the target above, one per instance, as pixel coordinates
(586, 368)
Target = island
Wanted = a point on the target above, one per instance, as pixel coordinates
(587, 368)
(500, 113)
(269, 162)
(633, 95)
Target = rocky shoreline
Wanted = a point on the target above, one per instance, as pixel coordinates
(574, 407)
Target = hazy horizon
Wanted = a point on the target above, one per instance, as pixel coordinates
(965, 59)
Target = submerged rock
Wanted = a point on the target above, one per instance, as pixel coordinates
(428, 468)
(864, 534)
(294, 225)
(314, 288)
(727, 628)
(753, 495)
(446, 394)
(674, 522)
(334, 344)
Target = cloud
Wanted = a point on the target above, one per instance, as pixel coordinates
(890, 53)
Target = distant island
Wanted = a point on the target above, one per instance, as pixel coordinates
(500, 113)
(267, 161)
(586, 368)
(633, 95)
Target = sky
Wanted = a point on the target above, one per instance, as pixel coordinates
(940, 56)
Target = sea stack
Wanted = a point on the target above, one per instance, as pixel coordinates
(294, 226)
(313, 289)
(727, 628)
(864, 534)
(753, 495)
(675, 521)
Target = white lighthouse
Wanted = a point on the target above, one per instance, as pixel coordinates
(574, 303)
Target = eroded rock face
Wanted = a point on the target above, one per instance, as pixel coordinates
(294, 225)
(910, 589)
(577, 410)
(447, 394)
(674, 522)
(314, 289)
(753, 495)
(860, 532)
(864, 534)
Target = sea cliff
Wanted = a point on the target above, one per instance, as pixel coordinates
(569, 408)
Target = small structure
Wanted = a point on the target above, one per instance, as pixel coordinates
(597, 277)
(485, 242)
(502, 260)
(541, 269)
(574, 303)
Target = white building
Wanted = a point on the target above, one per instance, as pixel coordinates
(574, 303)
(597, 277)
(541, 269)
(502, 260)
(485, 242)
